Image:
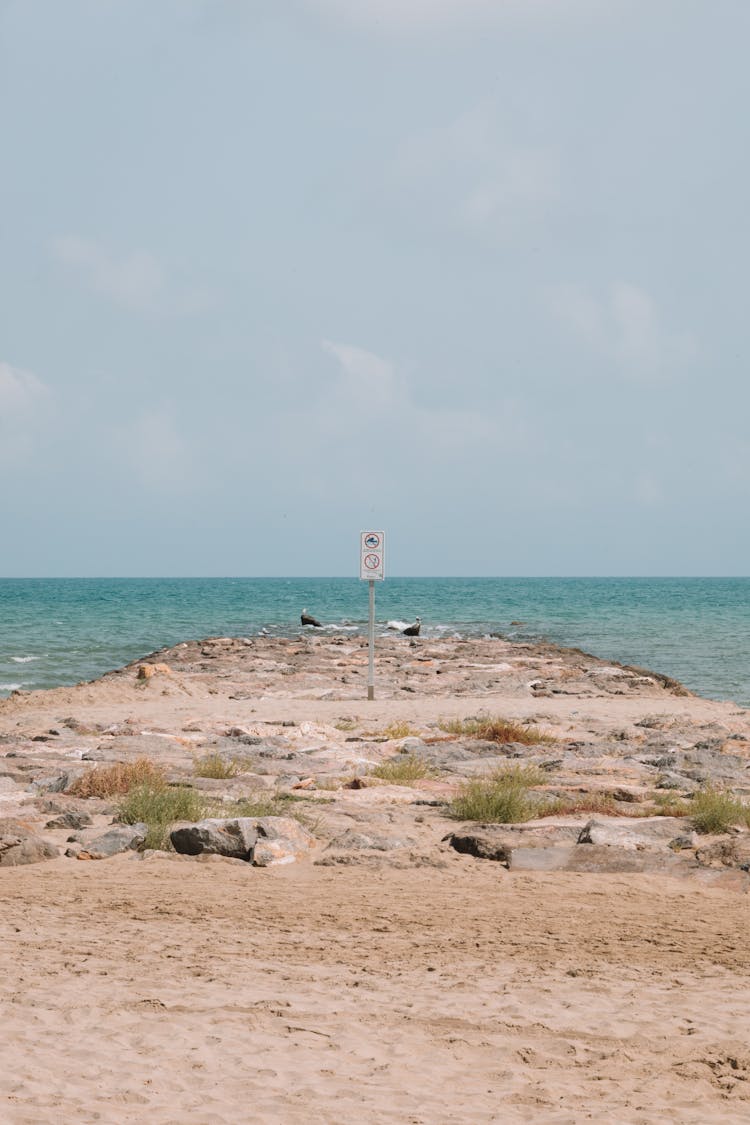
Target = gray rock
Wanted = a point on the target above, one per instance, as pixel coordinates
(734, 852)
(71, 820)
(600, 859)
(263, 841)
(55, 783)
(120, 838)
(498, 843)
(642, 833)
(234, 837)
(360, 841)
(19, 845)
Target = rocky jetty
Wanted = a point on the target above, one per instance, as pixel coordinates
(281, 727)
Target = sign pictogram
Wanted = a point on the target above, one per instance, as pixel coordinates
(372, 555)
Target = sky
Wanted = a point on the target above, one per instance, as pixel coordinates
(473, 272)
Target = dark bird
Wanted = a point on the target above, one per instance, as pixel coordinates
(307, 619)
(413, 630)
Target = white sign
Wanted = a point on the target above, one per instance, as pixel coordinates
(372, 555)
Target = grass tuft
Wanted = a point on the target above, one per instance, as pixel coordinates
(403, 769)
(159, 806)
(117, 779)
(213, 765)
(501, 798)
(490, 729)
(714, 810)
(400, 729)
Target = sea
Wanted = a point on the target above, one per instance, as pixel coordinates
(60, 631)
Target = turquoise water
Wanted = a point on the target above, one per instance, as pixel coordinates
(61, 631)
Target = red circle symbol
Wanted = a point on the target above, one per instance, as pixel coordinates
(372, 562)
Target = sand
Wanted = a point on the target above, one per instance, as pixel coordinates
(445, 989)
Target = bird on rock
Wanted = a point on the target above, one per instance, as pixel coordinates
(413, 630)
(307, 619)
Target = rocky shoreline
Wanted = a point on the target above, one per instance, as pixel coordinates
(286, 721)
(333, 939)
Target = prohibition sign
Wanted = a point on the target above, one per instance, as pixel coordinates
(372, 541)
(372, 561)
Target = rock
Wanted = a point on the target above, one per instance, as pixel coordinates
(72, 820)
(285, 828)
(604, 859)
(146, 671)
(73, 850)
(120, 838)
(268, 853)
(263, 840)
(19, 845)
(734, 852)
(360, 841)
(498, 843)
(55, 783)
(234, 837)
(642, 833)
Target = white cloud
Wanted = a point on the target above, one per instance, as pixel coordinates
(368, 381)
(136, 279)
(623, 325)
(477, 176)
(371, 390)
(24, 401)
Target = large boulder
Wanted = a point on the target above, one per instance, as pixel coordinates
(262, 841)
(641, 833)
(234, 837)
(500, 841)
(18, 844)
(120, 838)
(734, 852)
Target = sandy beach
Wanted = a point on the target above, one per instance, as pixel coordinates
(391, 980)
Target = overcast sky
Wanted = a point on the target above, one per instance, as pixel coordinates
(471, 271)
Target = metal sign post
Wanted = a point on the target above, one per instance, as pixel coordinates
(371, 569)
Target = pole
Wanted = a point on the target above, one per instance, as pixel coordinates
(371, 646)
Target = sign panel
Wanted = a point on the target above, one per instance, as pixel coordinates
(372, 555)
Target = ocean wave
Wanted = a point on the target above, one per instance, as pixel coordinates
(10, 687)
(24, 659)
(398, 625)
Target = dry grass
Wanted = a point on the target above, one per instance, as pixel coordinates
(668, 803)
(213, 765)
(495, 729)
(116, 780)
(601, 803)
(399, 730)
(403, 769)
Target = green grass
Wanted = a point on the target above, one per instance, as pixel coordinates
(714, 810)
(403, 769)
(160, 806)
(500, 798)
(496, 729)
(213, 765)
